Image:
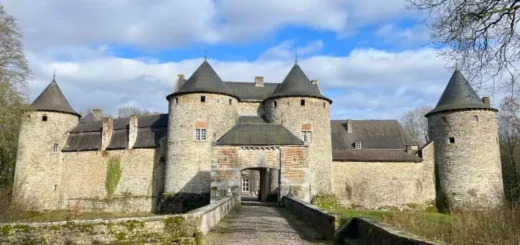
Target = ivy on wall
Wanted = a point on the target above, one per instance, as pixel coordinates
(113, 175)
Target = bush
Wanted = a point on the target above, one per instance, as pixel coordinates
(326, 201)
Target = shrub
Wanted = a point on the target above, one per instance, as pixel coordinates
(326, 201)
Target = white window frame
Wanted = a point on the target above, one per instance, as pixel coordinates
(357, 144)
(200, 134)
(55, 148)
(475, 118)
(246, 184)
(306, 136)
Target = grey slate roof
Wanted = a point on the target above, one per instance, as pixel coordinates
(204, 79)
(373, 155)
(459, 95)
(88, 118)
(52, 99)
(259, 134)
(373, 134)
(250, 120)
(247, 91)
(296, 83)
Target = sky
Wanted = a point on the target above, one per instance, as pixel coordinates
(371, 57)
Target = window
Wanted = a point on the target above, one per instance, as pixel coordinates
(203, 98)
(302, 102)
(307, 136)
(176, 100)
(452, 140)
(324, 105)
(44, 118)
(475, 118)
(357, 145)
(200, 134)
(230, 101)
(443, 119)
(245, 185)
(274, 104)
(55, 148)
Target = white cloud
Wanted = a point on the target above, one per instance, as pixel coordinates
(286, 50)
(407, 36)
(172, 23)
(367, 83)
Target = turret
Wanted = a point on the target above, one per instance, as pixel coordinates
(299, 105)
(467, 156)
(43, 133)
(200, 112)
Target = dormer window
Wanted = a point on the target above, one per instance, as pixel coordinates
(44, 118)
(357, 145)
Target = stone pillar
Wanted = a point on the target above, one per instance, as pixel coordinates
(97, 114)
(106, 133)
(132, 131)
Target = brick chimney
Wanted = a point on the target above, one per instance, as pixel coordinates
(132, 131)
(97, 114)
(180, 82)
(349, 125)
(259, 81)
(315, 82)
(486, 100)
(106, 133)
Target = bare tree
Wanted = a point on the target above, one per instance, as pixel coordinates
(480, 36)
(416, 125)
(14, 72)
(509, 133)
(132, 110)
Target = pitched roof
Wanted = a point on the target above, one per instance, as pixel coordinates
(88, 118)
(250, 120)
(459, 95)
(373, 134)
(247, 91)
(52, 99)
(259, 134)
(204, 79)
(373, 155)
(296, 83)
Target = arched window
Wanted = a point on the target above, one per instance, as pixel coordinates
(44, 118)
(245, 184)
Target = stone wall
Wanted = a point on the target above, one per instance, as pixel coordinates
(165, 229)
(250, 109)
(315, 117)
(469, 173)
(377, 185)
(38, 167)
(85, 174)
(318, 218)
(188, 160)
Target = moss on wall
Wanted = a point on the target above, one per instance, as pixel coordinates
(113, 175)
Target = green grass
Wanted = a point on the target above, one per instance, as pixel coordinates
(61, 215)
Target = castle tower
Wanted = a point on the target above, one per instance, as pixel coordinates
(467, 156)
(43, 133)
(200, 112)
(299, 105)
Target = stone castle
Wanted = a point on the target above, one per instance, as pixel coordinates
(223, 138)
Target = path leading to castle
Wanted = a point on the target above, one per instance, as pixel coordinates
(257, 223)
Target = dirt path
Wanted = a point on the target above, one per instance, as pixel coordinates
(256, 223)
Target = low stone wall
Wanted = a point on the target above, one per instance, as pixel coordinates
(320, 220)
(367, 231)
(166, 229)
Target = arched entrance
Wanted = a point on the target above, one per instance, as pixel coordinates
(261, 184)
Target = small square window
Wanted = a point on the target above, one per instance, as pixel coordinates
(44, 118)
(200, 134)
(302, 102)
(176, 100)
(475, 118)
(275, 104)
(357, 145)
(202, 98)
(230, 101)
(306, 136)
(452, 140)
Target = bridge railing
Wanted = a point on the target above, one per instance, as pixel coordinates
(318, 218)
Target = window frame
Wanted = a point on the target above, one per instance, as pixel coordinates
(306, 136)
(201, 134)
(246, 184)
(357, 144)
(55, 148)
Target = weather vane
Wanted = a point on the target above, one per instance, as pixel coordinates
(205, 54)
(296, 57)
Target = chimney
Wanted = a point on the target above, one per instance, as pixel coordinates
(315, 82)
(259, 81)
(349, 125)
(97, 114)
(411, 148)
(180, 82)
(132, 131)
(486, 100)
(106, 133)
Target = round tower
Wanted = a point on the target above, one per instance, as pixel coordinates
(298, 105)
(43, 134)
(467, 155)
(200, 112)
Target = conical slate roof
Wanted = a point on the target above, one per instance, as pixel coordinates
(296, 83)
(204, 79)
(459, 95)
(52, 99)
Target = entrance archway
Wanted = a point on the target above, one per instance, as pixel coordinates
(261, 184)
